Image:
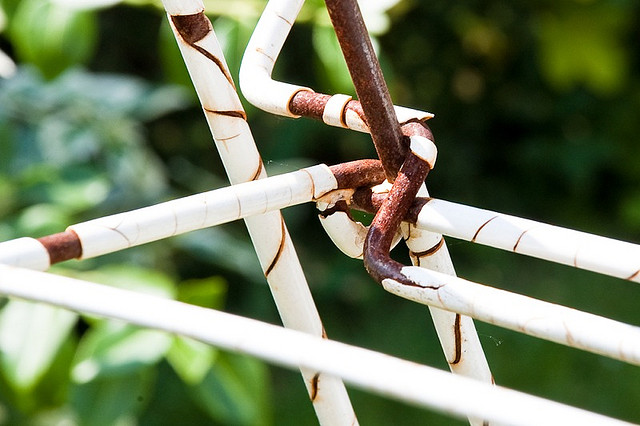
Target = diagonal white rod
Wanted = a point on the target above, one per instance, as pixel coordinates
(228, 124)
(457, 333)
(388, 376)
(274, 96)
(582, 250)
(524, 314)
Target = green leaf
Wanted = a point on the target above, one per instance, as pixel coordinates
(113, 400)
(235, 391)
(208, 292)
(52, 36)
(191, 359)
(112, 348)
(335, 70)
(585, 46)
(134, 278)
(31, 335)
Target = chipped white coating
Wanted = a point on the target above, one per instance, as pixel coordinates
(183, 7)
(524, 314)
(574, 248)
(25, 253)
(345, 233)
(372, 371)
(333, 113)
(424, 148)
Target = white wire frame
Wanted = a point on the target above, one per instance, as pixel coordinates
(394, 378)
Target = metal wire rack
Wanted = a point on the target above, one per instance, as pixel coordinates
(392, 187)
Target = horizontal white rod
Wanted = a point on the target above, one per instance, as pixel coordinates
(524, 314)
(375, 372)
(582, 250)
(152, 223)
(111, 233)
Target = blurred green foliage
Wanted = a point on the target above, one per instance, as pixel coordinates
(535, 105)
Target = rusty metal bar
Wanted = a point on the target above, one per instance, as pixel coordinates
(369, 83)
(386, 222)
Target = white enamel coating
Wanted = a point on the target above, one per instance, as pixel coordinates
(524, 314)
(278, 259)
(366, 369)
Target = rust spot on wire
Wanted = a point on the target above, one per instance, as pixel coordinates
(311, 104)
(308, 104)
(236, 114)
(457, 334)
(482, 226)
(276, 258)
(193, 28)
(62, 246)
(356, 174)
(315, 382)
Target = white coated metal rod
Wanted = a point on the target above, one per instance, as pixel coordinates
(457, 333)
(123, 230)
(274, 96)
(524, 314)
(582, 250)
(128, 229)
(372, 371)
(228, 124)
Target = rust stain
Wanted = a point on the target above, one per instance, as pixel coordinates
(193, 28)
(280, 249)
(429, 251)
(228, 138)
(315, 380)
(62, 246)
(343, 116)
(634, 275)
(218, 63)
(258, 171)
(515, 246)
(237, 114)
(457, 333)
(482, 226)
(285, 19)
(313, 184)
